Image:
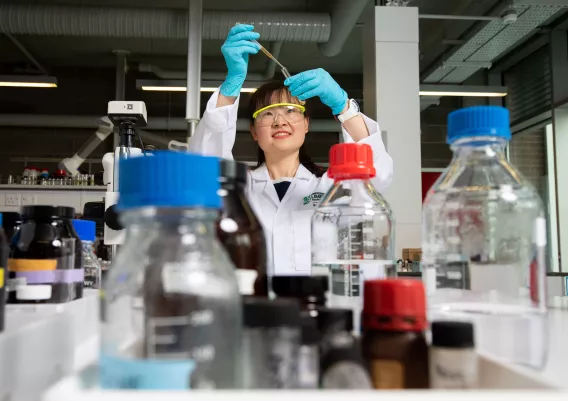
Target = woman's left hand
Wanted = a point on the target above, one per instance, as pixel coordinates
(318, 83)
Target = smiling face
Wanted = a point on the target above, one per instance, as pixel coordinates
(279, 130)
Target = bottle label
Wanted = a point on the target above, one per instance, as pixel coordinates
(246, 279)
(387, 374)
(12, 284)
(453, 275)
(344, 375)
(31, 265)
(453, 368)
(145, 374)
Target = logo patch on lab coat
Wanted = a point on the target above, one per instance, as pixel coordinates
(313, 198)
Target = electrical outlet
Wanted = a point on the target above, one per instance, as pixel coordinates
(12, 199)
(28, 199)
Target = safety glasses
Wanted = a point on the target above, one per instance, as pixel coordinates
(291, 113)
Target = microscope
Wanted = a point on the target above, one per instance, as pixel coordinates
(126, 115)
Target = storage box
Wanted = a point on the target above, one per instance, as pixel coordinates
(412, 254)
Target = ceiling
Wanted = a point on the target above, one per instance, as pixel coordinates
(98, 52)
(74, 60)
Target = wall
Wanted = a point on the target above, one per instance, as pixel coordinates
(433, 126)
(527, 152)
(86, 91)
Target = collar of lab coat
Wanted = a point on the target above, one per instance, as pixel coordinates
(261, 173)
(260, 176)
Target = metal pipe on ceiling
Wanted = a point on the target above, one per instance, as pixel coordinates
(217, 76)
(460, 17)
(343, 19)
(155, 23)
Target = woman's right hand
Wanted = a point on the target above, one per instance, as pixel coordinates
(236, 50)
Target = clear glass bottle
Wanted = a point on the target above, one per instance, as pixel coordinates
(477, 254)
(172, 309)
(352, 228)
(86, 231)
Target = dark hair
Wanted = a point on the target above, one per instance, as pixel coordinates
(262, 97)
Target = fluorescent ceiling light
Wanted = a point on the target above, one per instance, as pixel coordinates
(463, 90)
(180, 86)
(28, 81)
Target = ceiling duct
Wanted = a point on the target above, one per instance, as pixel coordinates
(492, 41)
(85, 21)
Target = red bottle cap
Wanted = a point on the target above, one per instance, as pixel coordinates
(394, 305)
(351, 161)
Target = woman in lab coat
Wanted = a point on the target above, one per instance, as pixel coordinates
(285, 188)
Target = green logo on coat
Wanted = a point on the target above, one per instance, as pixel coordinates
(313, 198)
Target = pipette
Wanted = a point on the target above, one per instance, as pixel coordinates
(283, 69)
(270, 56)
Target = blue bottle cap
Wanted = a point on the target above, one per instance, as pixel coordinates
(1, 221)
(479, 121)
(169, 179)
(85, 229)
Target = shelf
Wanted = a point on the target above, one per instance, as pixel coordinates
(54, 187)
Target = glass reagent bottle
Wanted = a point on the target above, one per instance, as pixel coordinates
(352, 228)
(171, 303)
(477, 253)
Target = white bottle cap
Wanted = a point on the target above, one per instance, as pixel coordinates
(33, 292)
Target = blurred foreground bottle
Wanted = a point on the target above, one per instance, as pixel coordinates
(240, 232)
(172, 307)
(479, 221)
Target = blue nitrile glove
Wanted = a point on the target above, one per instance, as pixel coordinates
(319, 83)
(236, 50)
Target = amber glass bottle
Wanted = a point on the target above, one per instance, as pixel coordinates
(240, 231)
(393, 321)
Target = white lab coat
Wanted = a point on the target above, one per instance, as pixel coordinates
(287, 223)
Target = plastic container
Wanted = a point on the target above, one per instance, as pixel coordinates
(478, 261)
(86, 231)
(271, 343)
(453, 360)
(393, 341)
(45, 259)
(172, 310)
(240, 231)
(352, 228)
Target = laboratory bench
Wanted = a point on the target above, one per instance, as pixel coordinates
(44, 347)
(14, 196)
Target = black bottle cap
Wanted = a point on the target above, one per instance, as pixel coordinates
(310, 332)
(263, 312)
(47, 212)
(333, 320)
(232, 170)
(452, 334)
(300, 286)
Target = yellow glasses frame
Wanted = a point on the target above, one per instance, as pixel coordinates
(298, 106)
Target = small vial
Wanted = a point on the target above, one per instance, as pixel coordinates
(308, 356)
(271, 340)
(453, 361)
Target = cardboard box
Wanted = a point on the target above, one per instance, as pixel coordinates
(413, 254)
